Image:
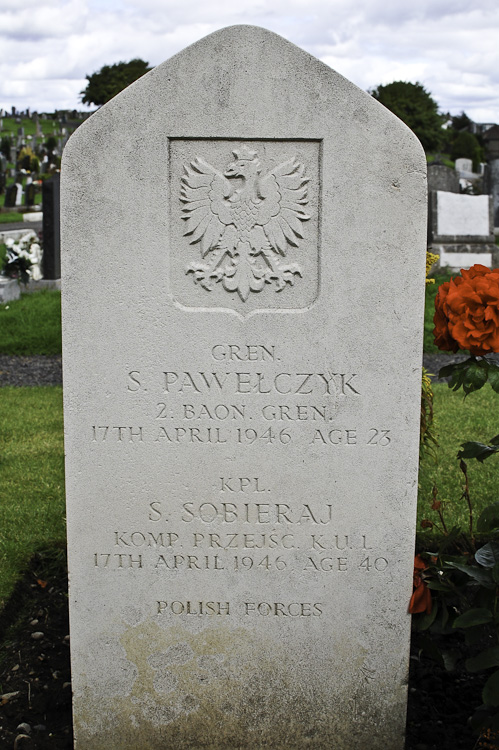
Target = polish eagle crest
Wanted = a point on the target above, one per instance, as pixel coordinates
(244, 221)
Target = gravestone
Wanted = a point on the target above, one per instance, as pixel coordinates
(29, 194)
(10, 196)
(51, 202)
(242, 375)
(461, 229)
(493, 187)
(464, 165)
(444, 178)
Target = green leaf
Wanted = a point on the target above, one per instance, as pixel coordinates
(478, 616)
(484, 660)
(476, 377)
(449, 370)
(490, 692)
(438, 586)
(481, 576)
(450, 660)
(494, 378)
(489, 518)
(480, 451)
(424, 621)
(488, 555)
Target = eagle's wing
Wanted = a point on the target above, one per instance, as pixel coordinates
(206, 212)
(282, 212)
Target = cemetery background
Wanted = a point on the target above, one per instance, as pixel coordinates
(37, 573)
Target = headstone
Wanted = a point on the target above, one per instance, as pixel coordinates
(242, 354)
(464, 165)
(461, 231)
(29, 195)
(444, 178)
(51, 260)
(19, 193)
(10, 196)
(493, 185)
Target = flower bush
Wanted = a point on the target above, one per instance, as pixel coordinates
(456, 586)
(23, 258)
(467, 312)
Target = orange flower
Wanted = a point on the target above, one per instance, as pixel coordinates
(467, 312)
(421, 597)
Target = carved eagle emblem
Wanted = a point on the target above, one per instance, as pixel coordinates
(244, 221)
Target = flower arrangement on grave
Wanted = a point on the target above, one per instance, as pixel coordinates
(23, 258)
(456, 587)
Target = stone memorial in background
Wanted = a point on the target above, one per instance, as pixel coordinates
(51, 202)
(461, 230)
(10, 196)
(443, 178)
(29, 194)
(243, 237)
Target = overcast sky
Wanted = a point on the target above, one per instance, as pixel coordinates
(47, 47)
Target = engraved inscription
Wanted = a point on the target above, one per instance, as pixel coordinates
(244, 220)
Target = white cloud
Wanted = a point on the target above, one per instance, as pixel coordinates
(48, 46)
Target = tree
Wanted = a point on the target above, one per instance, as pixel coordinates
(461, 122)
(416, 107)
(466, 146)
(111, 79)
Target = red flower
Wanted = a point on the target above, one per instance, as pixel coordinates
(421, 597)
(467, 312)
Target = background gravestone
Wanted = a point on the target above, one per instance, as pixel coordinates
(51, 202)
(10, 196)
(461, 230)
(242, 311)
(443, 178)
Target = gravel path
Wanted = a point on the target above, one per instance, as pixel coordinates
(35, 370)
(45, 370)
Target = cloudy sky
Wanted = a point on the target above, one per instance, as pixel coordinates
(47, 47)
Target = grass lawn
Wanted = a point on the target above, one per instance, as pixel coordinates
(10, 217)
(457, 421)
(32, 324)
(32, 514)
(10, 126)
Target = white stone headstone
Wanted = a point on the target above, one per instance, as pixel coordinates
(463, 215)
(243, 276)
(464, 165)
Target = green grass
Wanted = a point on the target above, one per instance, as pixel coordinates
(32, 469)
(457, 421)
(32, 324)
(442, 159)
(10, 217)
(10, 126)
(18, 337)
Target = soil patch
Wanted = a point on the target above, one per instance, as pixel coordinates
(35, 692)
(30, 371)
